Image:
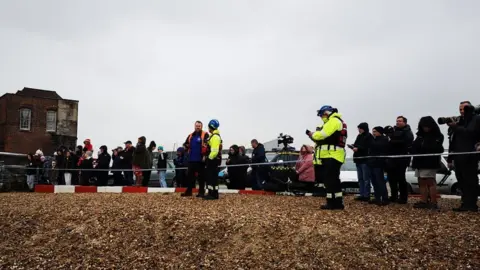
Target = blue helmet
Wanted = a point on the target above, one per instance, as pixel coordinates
(324, 109)
(213, 124)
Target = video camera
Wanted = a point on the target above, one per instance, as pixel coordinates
(285, 140)
(450, 119)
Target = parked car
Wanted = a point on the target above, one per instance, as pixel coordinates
(446, 180)
(169, 177)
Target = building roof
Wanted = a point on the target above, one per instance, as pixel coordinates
(38, 93)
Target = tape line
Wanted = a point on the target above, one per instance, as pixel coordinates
(252, 164)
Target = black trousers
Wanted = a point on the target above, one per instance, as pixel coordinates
(319, 186)
(398, 182)
(128, 178)
(467, 178)
(212, 177)
(118, 179)
(146, 178)
(102, 178)
(196, 168)
(331, 173)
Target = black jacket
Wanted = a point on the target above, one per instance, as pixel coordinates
(237, 174)
(400, 142)
(162, 163)
(70, 163)
(362, 142)
(127, 157)
(32, 166)
(427, 144)
(258, 154)
(103, 161)
(463, 138)
(378, 147)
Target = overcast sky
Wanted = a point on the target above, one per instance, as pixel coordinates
(260, 67)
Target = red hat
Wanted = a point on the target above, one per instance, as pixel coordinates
(87, 140)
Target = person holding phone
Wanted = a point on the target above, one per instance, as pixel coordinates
(360, 151)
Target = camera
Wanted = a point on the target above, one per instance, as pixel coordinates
(285, 139)
(450, 119)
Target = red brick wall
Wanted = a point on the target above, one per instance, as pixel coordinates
(18, 141)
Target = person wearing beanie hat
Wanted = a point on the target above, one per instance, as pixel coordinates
(379, 129)
(378, 147)
(162, 166)
(360, 149)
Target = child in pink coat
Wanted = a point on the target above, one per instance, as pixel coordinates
(304, 165)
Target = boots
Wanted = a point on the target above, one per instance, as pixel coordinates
(187, 193)
(212, 195)
(333, 204)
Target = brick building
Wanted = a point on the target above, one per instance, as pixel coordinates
(34, 119)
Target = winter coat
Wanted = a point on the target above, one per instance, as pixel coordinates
(69, 164)
(127, 157)
(86, 171)
(117, 162)
(427, 144)
(103, 161)
(464, 137)
(304, 166)
(162, 161)
(237, 174)
(378, 147)
(32, 166)
(362, 142)
(141, 157)
(181, 163)
(400, 142)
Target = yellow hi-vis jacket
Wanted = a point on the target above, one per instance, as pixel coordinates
(332, 124)
(214, 144)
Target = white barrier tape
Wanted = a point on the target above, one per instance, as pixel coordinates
(253, 164)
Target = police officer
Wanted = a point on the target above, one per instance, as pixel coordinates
(213, 160)
(330, 142)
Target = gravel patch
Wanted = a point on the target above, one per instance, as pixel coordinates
(165, 231)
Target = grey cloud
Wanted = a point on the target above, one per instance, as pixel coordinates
(146, 68)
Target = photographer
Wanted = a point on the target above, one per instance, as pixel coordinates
(401, 138)
(464, 135)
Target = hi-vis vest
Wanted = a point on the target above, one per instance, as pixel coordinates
(331, 140)
(220, 146)
(204, 144)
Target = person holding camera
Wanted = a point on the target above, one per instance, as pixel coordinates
(330, 143)
(400, 141)
(464, 136)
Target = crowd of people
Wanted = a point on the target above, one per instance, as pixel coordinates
(200, 157)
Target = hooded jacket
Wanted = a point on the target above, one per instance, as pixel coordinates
(427, 143)
(304, 166)
(104, 158)
(362, 143)
(237, 174)
(141, 156)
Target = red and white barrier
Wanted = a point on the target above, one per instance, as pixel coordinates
(94, 189)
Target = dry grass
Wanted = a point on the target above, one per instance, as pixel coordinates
(154, 231)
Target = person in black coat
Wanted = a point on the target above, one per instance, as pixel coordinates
(86, 169)
(237, 174)
(103, 164)
(360, 149)
(259, 172)
(429, 141)
(378, 147)
(465, 137)
(401, 138)
(118, 179)
(127, 158)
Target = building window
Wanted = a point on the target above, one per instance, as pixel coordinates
(51, 121)
(25, 119)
